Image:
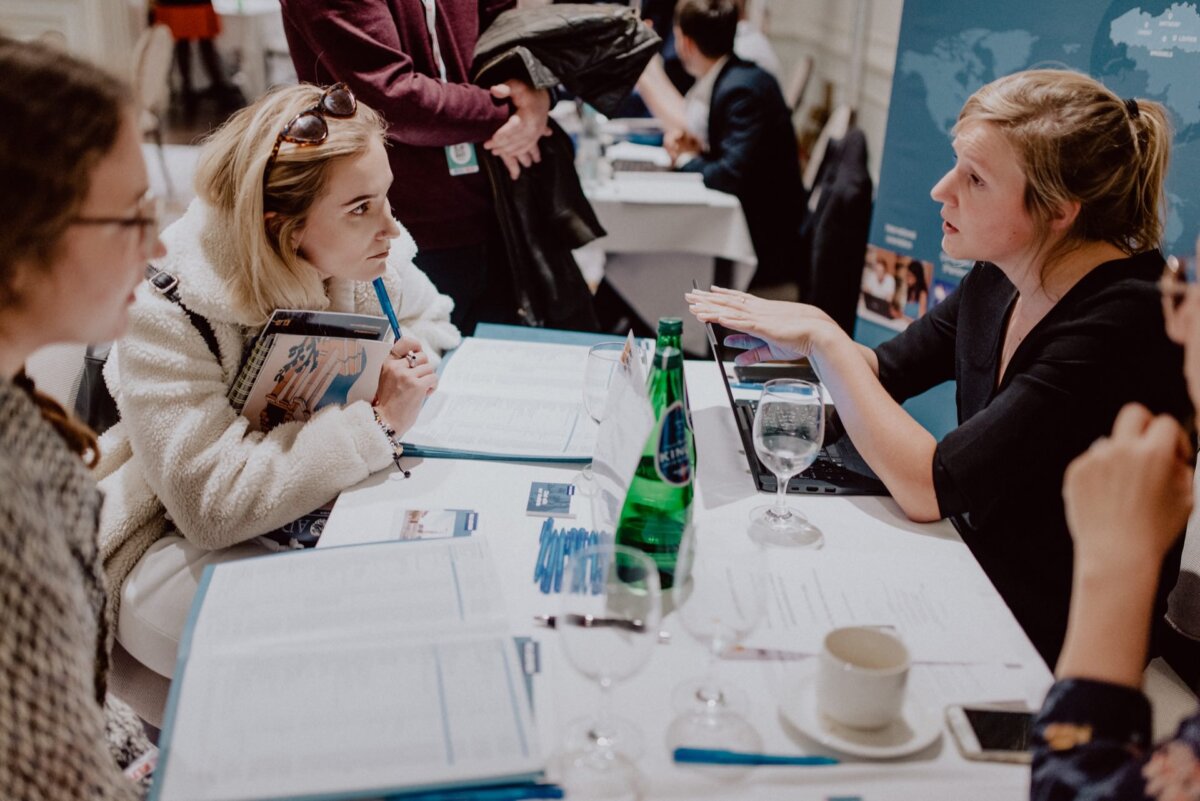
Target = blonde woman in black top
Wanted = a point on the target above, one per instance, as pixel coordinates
(1057, 196)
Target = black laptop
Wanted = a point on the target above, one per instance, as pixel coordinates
(839, 468)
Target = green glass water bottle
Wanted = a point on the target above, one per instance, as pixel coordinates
(670, 335)
(659, 505)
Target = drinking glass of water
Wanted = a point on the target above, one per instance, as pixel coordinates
(789, 429)
(603, 359)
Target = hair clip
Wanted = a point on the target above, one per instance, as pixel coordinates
(1131, 108)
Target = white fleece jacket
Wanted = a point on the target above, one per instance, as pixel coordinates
(181, 450)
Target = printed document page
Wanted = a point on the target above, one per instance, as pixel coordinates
(509, 398)
(366, 668)
(945, 611)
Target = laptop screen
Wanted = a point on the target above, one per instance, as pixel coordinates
(712, 343)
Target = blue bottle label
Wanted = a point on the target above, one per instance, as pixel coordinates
(671, 462)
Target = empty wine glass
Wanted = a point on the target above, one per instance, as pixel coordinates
(720, 601)
(789, 429)
(610, 609)
(603, 358)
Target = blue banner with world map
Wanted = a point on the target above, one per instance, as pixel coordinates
(947, 50)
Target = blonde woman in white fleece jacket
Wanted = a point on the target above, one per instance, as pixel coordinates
(186, 481)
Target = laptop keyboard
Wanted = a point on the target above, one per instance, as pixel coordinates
(827, 467)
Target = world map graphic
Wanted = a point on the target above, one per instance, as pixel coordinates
(1138, 48)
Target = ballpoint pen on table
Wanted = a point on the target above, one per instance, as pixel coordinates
(716, 756)
(587, 621)
(511, 792)
(386, 304)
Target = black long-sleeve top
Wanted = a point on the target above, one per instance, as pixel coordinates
(998, 476)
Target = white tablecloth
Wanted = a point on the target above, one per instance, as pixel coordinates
(664, 229)
(725, 493)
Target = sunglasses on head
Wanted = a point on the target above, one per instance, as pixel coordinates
(309, 126)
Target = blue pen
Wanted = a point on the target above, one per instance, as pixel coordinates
(386, 303)
(551, 549)
(716, 756)
(543, 542)
(512, 792)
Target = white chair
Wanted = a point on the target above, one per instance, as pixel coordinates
(151, 84)
(798, 83)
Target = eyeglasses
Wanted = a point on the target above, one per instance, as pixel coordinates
(309, 126)
(145, 220)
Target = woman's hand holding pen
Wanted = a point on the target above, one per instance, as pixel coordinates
(777, 329)
(405, 380)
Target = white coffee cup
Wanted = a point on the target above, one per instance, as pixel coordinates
(861, 675)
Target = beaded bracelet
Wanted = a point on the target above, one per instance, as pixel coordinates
(390, 433)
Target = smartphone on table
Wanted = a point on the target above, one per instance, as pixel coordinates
(992, 734)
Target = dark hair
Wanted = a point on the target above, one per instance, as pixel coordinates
(917, 270)
(62, 117)
(711, 24)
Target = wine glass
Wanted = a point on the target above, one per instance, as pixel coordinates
(720, 600)
(603, 358)
(789, 429)
(610, 609)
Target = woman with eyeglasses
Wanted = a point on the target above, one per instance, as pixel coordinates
(1057, 197)
(75, 233)
(1127, 498)
(291, 213)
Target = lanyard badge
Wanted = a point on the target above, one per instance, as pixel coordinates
(461, 159)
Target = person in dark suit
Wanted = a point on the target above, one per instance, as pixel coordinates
(739, 135)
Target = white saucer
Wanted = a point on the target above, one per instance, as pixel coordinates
(915, 729)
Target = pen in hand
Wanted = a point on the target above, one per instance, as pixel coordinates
(386, 304)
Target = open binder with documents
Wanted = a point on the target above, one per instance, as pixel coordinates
(502, 395)
(353, 672)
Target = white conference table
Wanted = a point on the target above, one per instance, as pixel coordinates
(664, 229)
(872, 526)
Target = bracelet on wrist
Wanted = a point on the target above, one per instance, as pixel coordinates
(392, 438)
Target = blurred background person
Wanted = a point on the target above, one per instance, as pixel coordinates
(191, 21)
(76, 228)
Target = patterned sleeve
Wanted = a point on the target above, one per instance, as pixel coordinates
(52, 727)
(127, 740)
(1090, 744)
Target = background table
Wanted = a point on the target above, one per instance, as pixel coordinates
(664, 229)
(725, 493)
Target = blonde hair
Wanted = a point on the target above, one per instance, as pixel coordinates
(1081, 142)
(267, 271)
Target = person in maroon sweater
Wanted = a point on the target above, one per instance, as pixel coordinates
(410, 60)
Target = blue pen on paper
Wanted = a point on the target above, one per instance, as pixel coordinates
(386, 303)
(539, 567)
(716, 756)
(510, 792)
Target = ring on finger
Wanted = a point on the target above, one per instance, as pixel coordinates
(412, 358)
